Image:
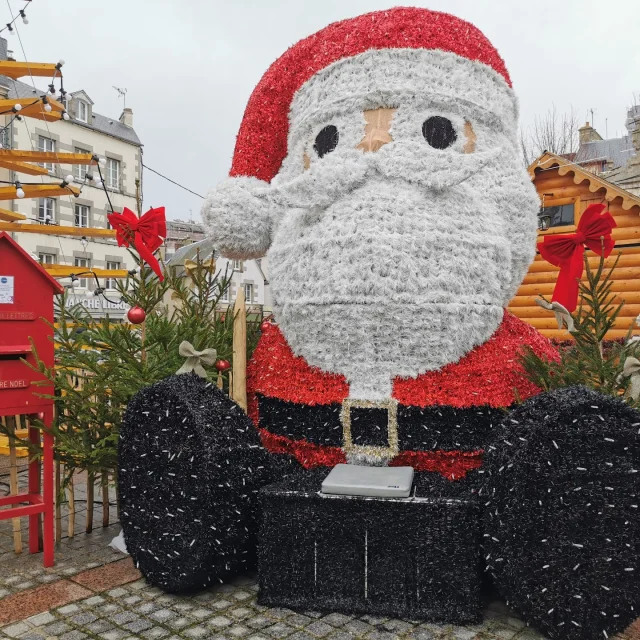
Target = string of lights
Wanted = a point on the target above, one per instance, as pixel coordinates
(172, 181)
(22, 13)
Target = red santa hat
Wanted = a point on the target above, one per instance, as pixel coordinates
(261, 145)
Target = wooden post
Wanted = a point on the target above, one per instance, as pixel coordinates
(240, 350)
(90, 496)
(105, 499)
(13, 484)
(71, 496)
(220, 382)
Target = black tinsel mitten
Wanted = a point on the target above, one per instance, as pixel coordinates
(190, 467)
(562, 513)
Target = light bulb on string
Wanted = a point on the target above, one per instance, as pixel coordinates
(65, 115)
(19, 190)
(23, 15)
(11, 31)
(17, 107)
(69, 179)
(47, 106)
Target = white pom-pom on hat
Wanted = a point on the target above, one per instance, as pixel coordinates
(239, 218)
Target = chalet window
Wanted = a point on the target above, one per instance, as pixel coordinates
(237, 265)
(46, 144)
(82, 215)
(47, 210)
(225, 294)
(47, 258)
(81, 111)
(110, 283)
(5, 137)
(83, 263)
(248, 292)
(560, 215)
(113, 173)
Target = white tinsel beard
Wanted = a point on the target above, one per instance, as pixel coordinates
(378, 276)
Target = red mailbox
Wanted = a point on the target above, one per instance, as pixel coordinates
(26, 301)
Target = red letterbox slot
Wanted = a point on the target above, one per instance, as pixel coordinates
(14, 349)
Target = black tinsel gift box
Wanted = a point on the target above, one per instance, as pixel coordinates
(416, 557)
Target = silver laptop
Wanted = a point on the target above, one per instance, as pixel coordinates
(355, 480)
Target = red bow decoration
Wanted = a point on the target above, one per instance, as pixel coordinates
(567, 252)
(146, 233)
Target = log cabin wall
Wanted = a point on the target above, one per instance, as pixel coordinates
(572, 189)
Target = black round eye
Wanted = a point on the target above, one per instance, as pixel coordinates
(326, 140)
(439, 132)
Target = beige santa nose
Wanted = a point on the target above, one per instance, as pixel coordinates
(376, 131)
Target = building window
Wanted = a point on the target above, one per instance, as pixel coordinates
(79, 170)
(113, 173)
(47, 258)
(82, 215)
(46, 144)
(84, 263)
(561, 215)
(237, 265)
(46, 210)
(81, 111)
(248, 292)
(110, 283)
(225, 294)
(5, 137)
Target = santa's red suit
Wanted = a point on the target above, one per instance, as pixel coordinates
(444, 417)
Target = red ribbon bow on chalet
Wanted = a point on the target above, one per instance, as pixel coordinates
(146, 233)
(567, 252)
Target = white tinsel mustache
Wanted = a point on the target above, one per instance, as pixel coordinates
(325, 182)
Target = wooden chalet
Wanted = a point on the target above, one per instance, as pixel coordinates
(565, 191)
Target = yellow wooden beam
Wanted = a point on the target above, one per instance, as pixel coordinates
(15, 70)
(64, 271)
(39, 191)
(58, 230)
(11, 216)
(23, 167)
(16, 155)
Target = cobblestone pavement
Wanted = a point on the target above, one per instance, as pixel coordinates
(230, 611)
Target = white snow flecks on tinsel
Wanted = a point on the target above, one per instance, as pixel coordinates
(562, 513)
(397, 262)
(190, 466)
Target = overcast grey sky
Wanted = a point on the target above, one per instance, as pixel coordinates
(189, 66)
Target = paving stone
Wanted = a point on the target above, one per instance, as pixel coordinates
(92, 602)
(258, 637)
(163, 615)
(179, 623)
(15, 630)
(34, 635)
(218, 622)
(68, 609)
(124, 617)
(40, 619)
(56, 628)
(196, 632)
(377, 634)
(461, 633)
(240, 613)
(502, 632)
(99, 626)
(320, 628)
(155, 634)
(201, 614)
(83, 618)
(301, 635)
(218, 605)
(342, 635)
(259, 622)
(313, 614)
(399, 626)
(279, 630)
(4, 592)
(132, 600)
(424, 634)
(279, 614)
(336, 619)
(358, 627)
(242, 595)
(114, 634)
(147, 607)
(299, 620)
(237, 631)
(140, 624)
(74, 635)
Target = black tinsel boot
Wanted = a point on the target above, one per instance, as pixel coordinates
(190, 467)
(562, 513)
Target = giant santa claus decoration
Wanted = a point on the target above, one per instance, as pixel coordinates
(377, 166)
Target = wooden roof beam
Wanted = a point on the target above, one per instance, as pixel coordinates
(16, 155)
(58, 230)
(39, 191)
(23, 167)
(15, 70)
(7, 215)
(64, 271)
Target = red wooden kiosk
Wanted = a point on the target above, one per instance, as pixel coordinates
(26, 301)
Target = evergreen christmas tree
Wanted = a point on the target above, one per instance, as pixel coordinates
(612, 367)
(102, 363)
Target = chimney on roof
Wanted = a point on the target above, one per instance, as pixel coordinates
(588, 134)
(126, 117)
(3, 49)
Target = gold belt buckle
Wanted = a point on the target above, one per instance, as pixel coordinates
(391, 406)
